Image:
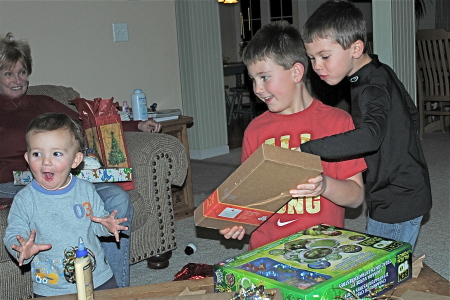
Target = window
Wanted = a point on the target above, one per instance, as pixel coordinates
(251, 18)
(256, 13)
(281, 10)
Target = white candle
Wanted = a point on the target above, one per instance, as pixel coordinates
(241, 17)
(249, 26)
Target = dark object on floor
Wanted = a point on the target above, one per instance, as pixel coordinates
(159, 261)
(190, 249)
(194, 271)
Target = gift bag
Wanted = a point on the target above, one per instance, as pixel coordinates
(104, 133)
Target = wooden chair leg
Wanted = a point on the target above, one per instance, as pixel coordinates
(421, 120)
(159, 261)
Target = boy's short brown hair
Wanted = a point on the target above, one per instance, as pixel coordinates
(54, 121)
(339, 20)
(278, 41)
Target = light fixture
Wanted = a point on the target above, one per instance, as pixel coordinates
(230, 1)
(220, 1)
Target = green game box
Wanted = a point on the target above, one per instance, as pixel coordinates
(321, 263)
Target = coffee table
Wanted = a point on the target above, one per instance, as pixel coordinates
(428, 281)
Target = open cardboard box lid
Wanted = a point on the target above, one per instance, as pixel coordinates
(257, 189)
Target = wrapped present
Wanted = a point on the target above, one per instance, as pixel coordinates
(104, 133)
(94, 175)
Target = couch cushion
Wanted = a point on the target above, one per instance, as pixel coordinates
(4, 254)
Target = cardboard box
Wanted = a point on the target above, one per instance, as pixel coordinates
(257, 189)
(321, 262)
(94, 175)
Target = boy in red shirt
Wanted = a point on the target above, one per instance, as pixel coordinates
(276, 61)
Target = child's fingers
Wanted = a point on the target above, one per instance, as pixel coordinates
(20, 240)
(116, 235)
(32, 235)
(43, 247)
(235, 233)
(20, 260)
(315, 179)
(121, 220)
(121, 228)
(113, 214)
(224, 231)
(96, 219)
(240, 233)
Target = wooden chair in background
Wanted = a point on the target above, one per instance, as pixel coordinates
(433, 79)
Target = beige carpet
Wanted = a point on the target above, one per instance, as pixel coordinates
(433, 241)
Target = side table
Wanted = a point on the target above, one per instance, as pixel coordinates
(183, 197)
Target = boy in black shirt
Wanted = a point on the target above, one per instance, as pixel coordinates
(398, 191)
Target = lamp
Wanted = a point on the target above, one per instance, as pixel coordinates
(220, 1)
(230, 1)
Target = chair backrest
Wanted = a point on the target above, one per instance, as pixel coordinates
(60, 93)
(433, 64)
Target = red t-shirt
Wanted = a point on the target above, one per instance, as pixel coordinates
(289, 131)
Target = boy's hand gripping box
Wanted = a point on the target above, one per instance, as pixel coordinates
(322, 262)
(257, 189)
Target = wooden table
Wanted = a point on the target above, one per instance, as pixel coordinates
(235, 68)
(183, 197)
(428, 281)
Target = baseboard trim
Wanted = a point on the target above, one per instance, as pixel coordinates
(207, 153)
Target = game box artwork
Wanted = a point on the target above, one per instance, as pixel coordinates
(321, 262)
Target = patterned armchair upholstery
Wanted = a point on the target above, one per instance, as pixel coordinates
(158, 161)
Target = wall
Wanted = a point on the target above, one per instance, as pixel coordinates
(229, 30)
(72, 45)
(201, 72)
(428, 21)
(230, 36)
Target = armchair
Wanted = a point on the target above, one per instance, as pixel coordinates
(158, 161)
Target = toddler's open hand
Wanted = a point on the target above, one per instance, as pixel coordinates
(111, 223)
(29, 248)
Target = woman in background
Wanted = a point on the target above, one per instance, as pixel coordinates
(17, 111)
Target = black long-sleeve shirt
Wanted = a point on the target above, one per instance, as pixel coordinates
(386, 120)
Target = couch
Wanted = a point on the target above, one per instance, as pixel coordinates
(158, 161)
